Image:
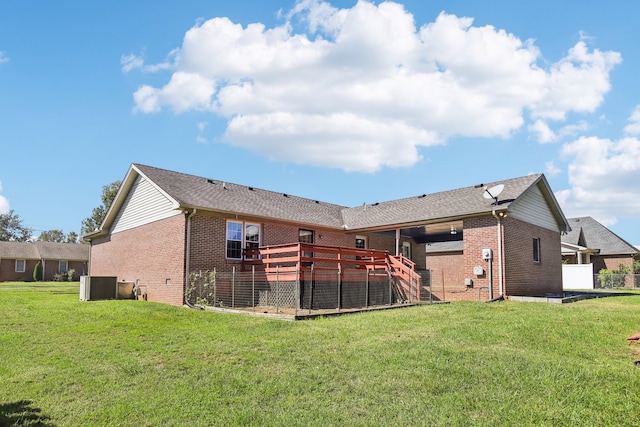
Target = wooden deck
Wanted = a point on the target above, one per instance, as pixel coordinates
(300, 261)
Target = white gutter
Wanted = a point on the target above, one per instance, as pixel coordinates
(500, 279)
(188, 258)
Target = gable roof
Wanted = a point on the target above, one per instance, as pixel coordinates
(188, 192)
(589, 233)
(458, 203)
(44, 250)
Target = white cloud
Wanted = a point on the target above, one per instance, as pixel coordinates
(3, 57)
(200, 138)
(577, 83)
(363, 88)
(4, 203)
(551, 169)
(131, 62)
(542, 132)
(603, 175)
(633, 128)
(136, 62)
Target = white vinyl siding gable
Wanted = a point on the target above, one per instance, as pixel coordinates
(144, 204)
(532, 207)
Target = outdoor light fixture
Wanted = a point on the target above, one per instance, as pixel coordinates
(453, 230)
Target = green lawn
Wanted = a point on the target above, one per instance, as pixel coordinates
(64, 362)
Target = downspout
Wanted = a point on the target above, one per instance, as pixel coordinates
(500, 279)
(187, 257)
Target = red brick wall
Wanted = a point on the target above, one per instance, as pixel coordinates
(522, 275)
(611, 262)
(51, 268)
(151, 253)
(8, 271)
(208, 241)
(447, 276)
(208, 244)
(481, 233)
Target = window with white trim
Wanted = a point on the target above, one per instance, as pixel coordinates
(251, 236)
(241, 235)
(536, 250)
(63, 266)
(20, 265)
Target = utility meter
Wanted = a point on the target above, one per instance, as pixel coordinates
(487, 254)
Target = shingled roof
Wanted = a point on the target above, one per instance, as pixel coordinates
(190, 191)
(457, 203)
(44, 250)
(208, 194)
(596, 236)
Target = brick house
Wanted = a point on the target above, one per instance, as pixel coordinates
(590, 242)
(18, 259)
(164, 225)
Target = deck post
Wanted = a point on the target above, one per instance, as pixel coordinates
(253, 287)
(339, 286)
(297, 291)
(366, 290)
(430, 289)
(233, 287)
(390, 289)
(311, 290)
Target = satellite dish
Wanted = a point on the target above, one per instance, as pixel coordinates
(493, 192)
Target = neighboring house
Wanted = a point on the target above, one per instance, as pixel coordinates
(18, 259)
(590, 242)
(163, 225)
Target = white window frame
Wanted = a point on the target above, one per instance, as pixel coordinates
(364, 240)
(66, 266)
(247, 242)
(24, 265)
(244, 243)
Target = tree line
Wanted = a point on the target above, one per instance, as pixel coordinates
(12, 228)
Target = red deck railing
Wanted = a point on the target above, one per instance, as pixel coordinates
(295, 258)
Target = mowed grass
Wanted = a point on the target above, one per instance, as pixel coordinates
(64, 362)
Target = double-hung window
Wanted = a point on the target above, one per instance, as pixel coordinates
(251, 237)
(241, 235)
(63, 266)
(20, 265)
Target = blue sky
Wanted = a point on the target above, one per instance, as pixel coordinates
(344, 102)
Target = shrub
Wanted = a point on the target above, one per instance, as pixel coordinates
(37, 272)
(71, 275)
(614, 278)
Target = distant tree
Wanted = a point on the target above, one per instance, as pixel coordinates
(11, 228)
(72, 237)
(52, 236)
(93, 222)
